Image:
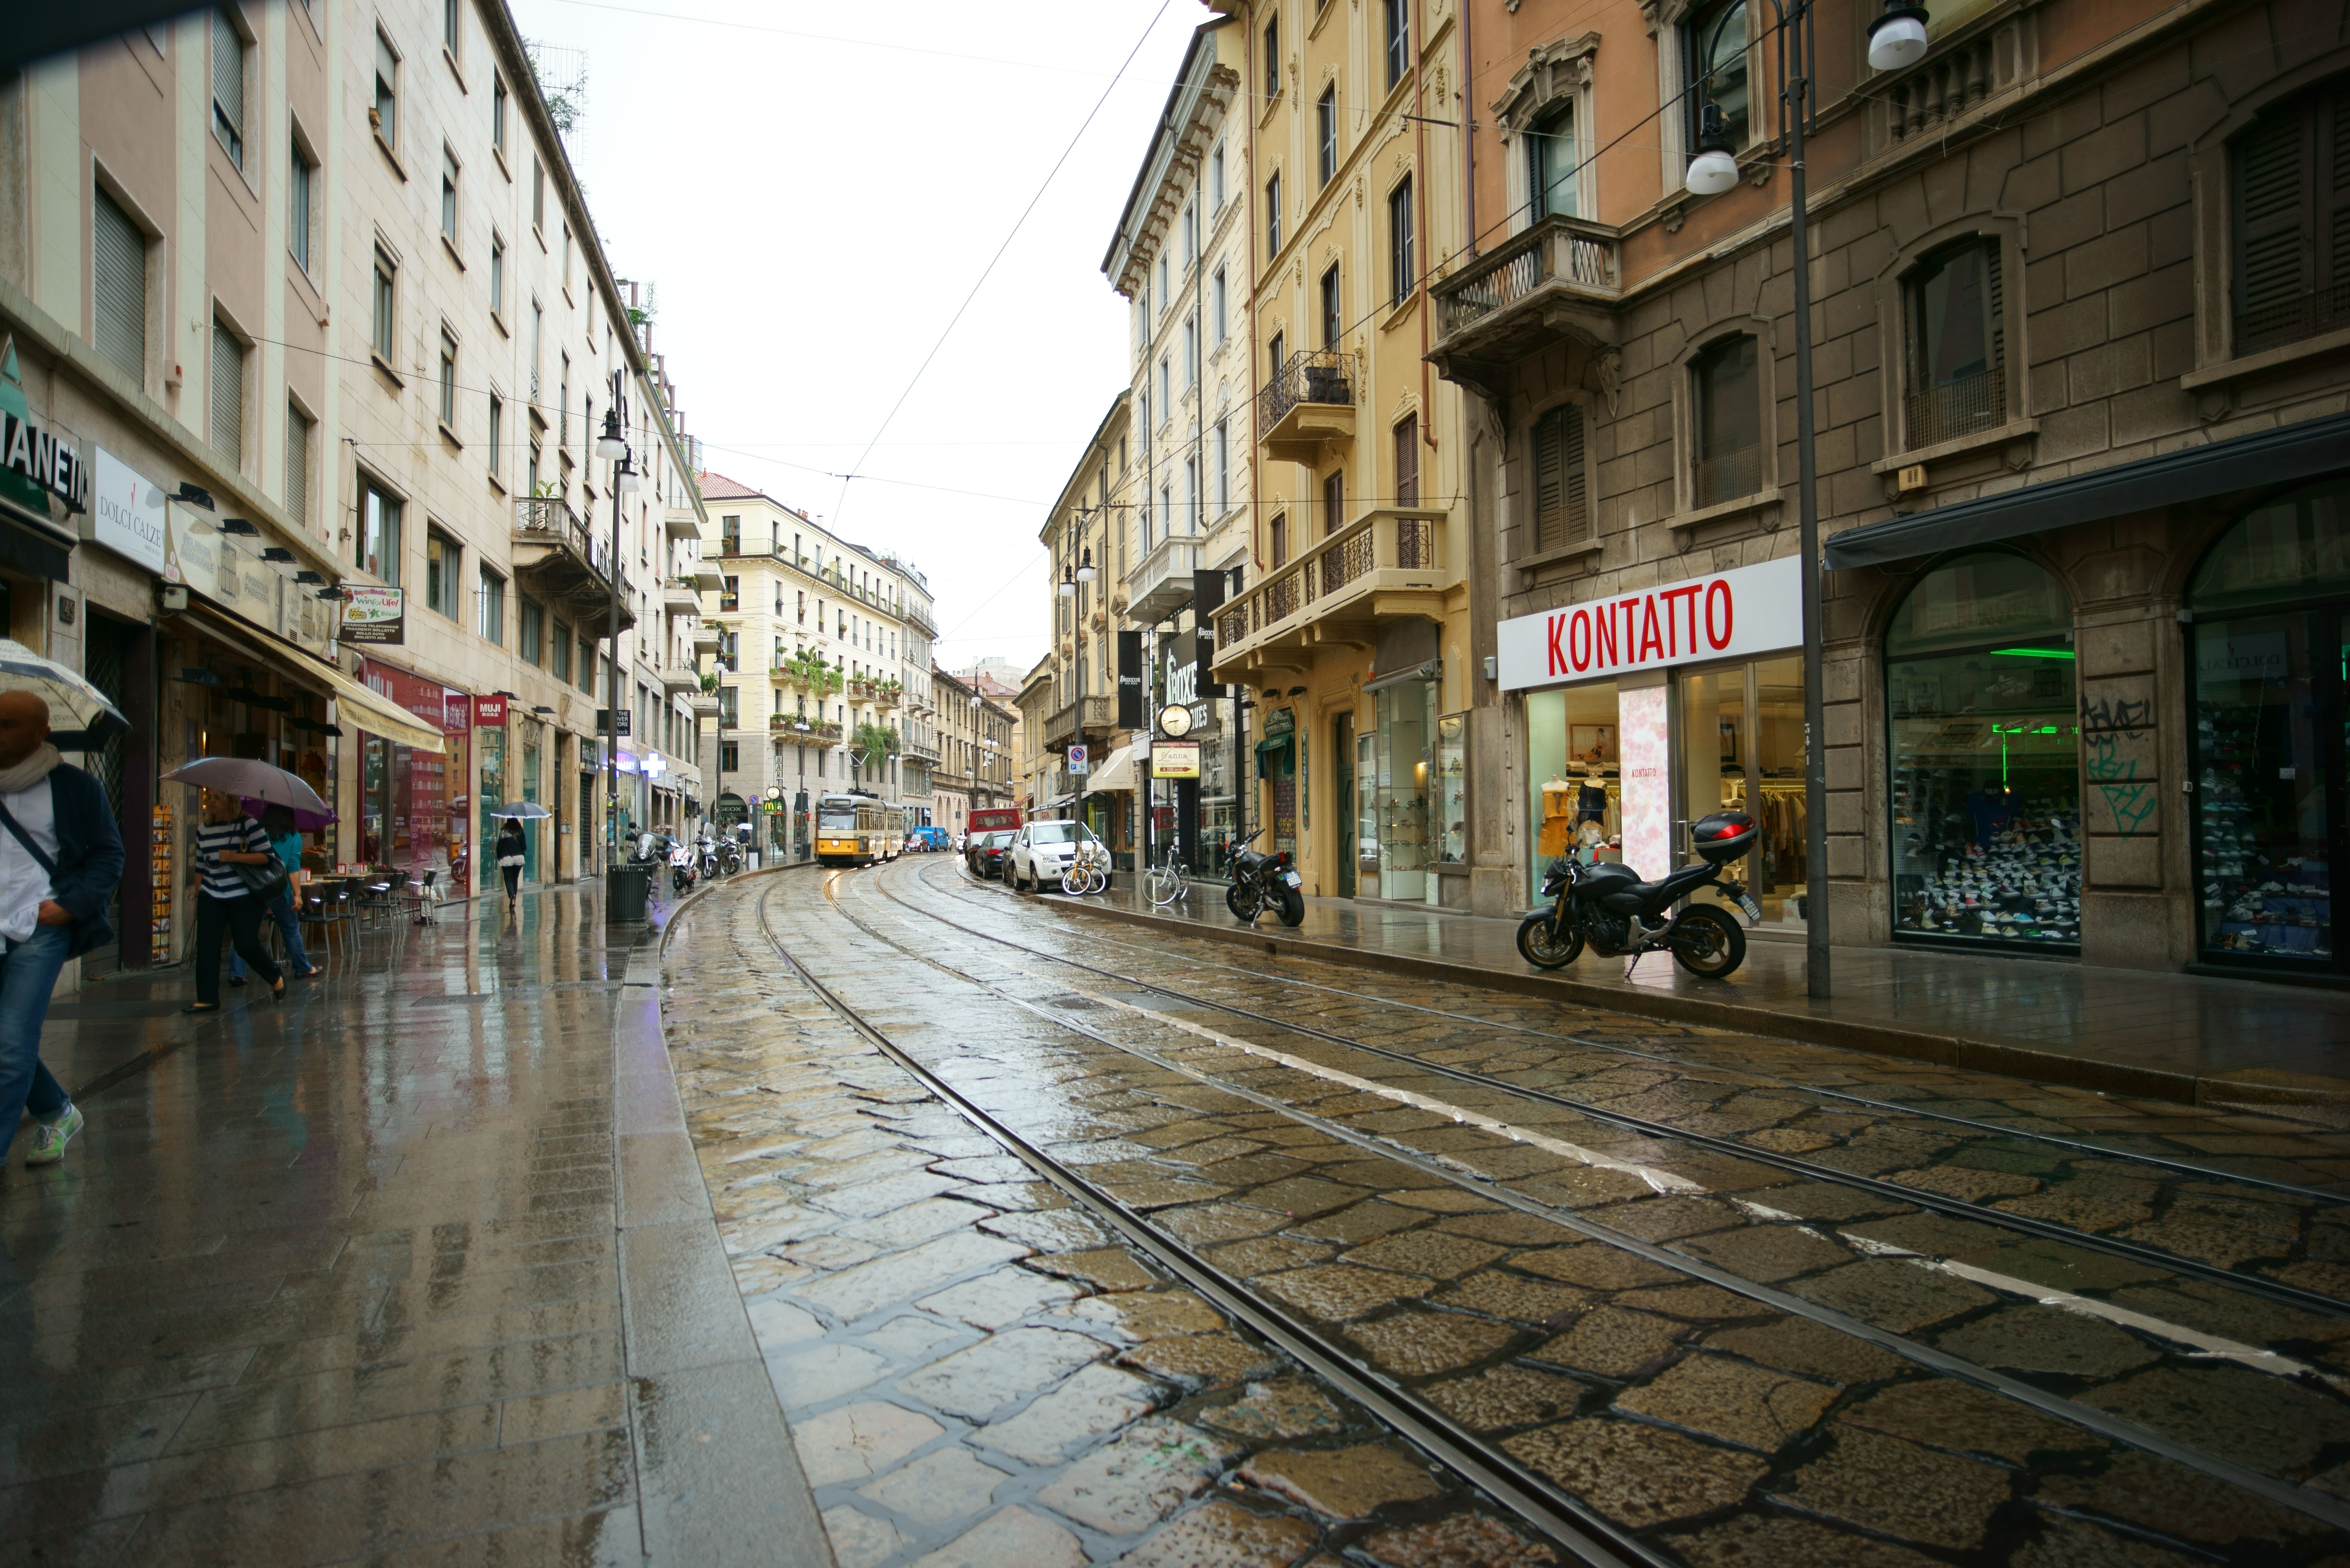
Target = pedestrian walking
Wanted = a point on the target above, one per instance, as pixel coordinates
(60, 858)
(228, 839)
(511, 851)
(277, 821)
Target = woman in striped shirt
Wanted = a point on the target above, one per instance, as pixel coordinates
(226, 839)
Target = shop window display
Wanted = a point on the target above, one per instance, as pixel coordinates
(1406, 754)
(1570, 747)
(2268, 740)
(1452, 789)
(1986, 757)
(1743, 750)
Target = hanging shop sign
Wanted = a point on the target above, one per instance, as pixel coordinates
(128, 514)
(490, 712)
(375, 615)
(52, 463)
(1175, 760)
(1736, 613)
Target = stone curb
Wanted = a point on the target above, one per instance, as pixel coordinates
(1876, 1039)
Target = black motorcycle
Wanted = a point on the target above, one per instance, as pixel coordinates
(1262, 882)
(1611, 909)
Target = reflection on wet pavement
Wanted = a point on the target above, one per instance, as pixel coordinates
(1736, 1363)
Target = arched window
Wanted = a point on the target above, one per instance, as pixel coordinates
(1985, 757)
(2271, 606)
(1728, 402)
(1957, 344)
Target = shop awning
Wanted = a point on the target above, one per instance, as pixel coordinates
(1273, 743)
(368, 709)
(1114, 774)
(2286, 455)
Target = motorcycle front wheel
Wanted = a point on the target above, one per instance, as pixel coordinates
(1292, 907)
(1709, 942)
(1241, 901)
(1541, 943)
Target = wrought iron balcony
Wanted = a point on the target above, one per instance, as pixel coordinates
(1385, 564)
(1561, 275)
(1308, 404)
(559, 557)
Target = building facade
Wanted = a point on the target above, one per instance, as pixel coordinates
(978, 739)
(1353, 636)
(2082, 363)
(311, 299)
(822, 661)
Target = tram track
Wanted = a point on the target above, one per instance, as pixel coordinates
(2273, 1290)
(2172, 1164)
(1422, 1421)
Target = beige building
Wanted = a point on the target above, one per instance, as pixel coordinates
(1353, 636)
(979, 747)
(823, 668)
(314, 297)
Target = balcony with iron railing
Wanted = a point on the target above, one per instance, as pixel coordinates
(802, 729)
(1308, 405)
(1522, 294)
(1965, 406)
(1384, 565)
(565, 565)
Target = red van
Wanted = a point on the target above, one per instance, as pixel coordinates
(994, 819)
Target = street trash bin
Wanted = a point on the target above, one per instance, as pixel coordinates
(626, 889)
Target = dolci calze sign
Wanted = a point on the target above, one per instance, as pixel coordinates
(1725, 615)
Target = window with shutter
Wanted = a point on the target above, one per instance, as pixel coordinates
(2293, 223)
(228, 85)
(119, 257)
(297, 464)
(227, 394)
(1561, 516)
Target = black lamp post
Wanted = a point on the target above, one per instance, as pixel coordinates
(1896, 39)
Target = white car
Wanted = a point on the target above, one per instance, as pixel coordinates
(1040, 853)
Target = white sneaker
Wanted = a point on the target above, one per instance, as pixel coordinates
(49, 1138)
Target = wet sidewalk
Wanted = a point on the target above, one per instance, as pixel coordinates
(416, 1267)
(2135, 1032)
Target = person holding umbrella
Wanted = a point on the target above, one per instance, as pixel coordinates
(60, 857)
(511, 852)
(229, 839)
(286, 839)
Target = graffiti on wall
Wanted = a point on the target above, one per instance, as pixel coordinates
(2118, 756)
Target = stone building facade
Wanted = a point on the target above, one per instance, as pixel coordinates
(2082, 360)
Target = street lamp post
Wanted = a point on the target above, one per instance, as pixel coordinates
(1895, 39)
(613, 447)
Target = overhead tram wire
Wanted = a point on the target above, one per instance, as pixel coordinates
(988, 270)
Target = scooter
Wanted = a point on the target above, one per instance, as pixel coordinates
(1607, 907)
(680, 870)
(1262, 882)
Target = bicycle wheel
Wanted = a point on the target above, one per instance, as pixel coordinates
(1099, 881)
(1161, 885)
(1073, 880)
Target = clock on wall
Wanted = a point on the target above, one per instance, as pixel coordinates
(1175, 719)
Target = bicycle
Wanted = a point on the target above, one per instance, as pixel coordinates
(1088, 869)
(1164, 882)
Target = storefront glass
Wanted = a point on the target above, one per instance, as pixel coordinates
(531, 831)
(1743, 750)
(414, 806)
(1572, 760)
(2268, 737)
(1986, 757)
(1452, 789)
(491, 741)
(1406, 757)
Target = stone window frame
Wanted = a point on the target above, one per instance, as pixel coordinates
(1560, 72)
(1520, 485)
(1892, 284)
(2217, 363)
(1770, 492)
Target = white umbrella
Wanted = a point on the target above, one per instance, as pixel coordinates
(81, 717)
(523, 809)
(253, 778)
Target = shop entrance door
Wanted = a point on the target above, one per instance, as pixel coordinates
(1342, 802)
(2268, 789)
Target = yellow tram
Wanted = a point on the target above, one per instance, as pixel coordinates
(851, 829)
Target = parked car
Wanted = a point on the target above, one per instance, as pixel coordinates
(1040, 853)
(984, 852)
(926, 840)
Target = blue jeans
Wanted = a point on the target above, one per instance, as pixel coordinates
(29, 972)
(281, 909)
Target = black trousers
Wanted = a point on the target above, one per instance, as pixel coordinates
(241, 918)
(513, 880)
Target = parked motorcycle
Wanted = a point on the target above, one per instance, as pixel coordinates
(681, 870)
(730, 856)
(1607, 907)
(1262, 882)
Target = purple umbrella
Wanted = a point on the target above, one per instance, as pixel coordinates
(304, 821)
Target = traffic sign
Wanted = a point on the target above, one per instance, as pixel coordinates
(1078, 763)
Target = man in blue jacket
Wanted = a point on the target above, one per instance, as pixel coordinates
(60, 858)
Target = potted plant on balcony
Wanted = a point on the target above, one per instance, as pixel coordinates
(710, 681)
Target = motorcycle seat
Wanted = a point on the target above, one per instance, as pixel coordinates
(1651, 897)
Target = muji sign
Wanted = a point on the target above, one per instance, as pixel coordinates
(1725, 615)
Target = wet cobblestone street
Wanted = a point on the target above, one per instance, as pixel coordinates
(1291, 1256)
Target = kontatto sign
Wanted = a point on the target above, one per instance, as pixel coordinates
(1725, 615)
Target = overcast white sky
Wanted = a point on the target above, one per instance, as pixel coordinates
(814, 188)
